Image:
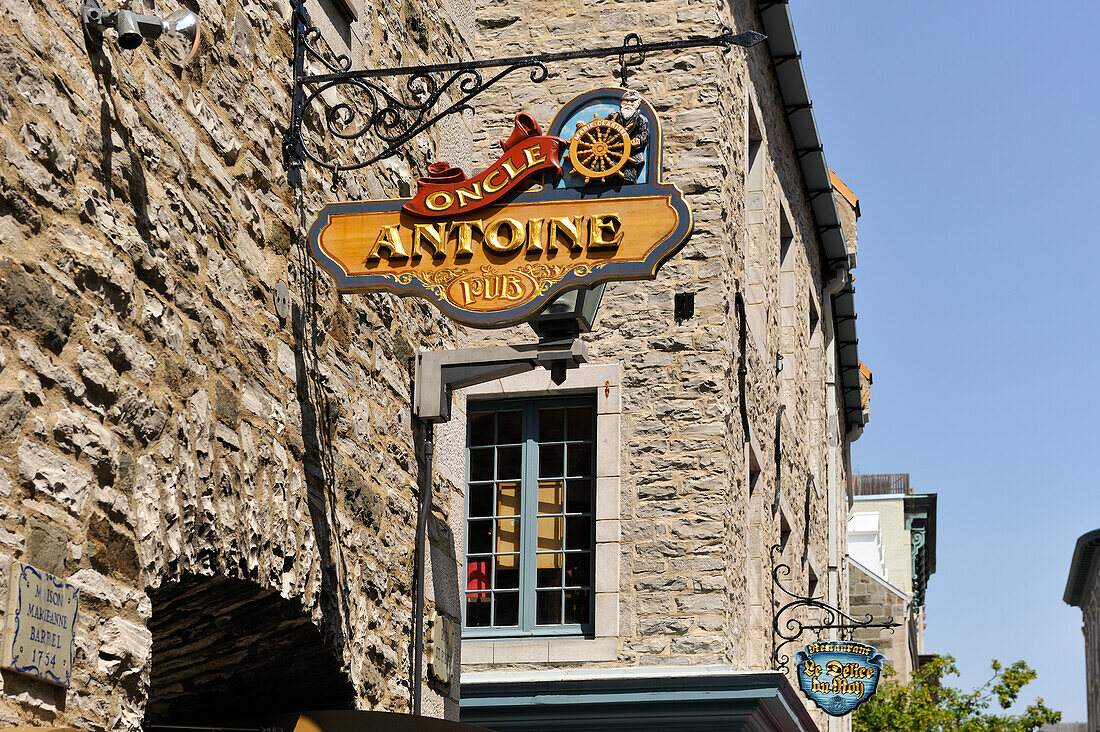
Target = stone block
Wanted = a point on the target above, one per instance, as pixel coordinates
(582, 651)
(13, 412)
(123, 350)
(47, 547)
(28, 302)
(534, 651)
(47, 473)
(165, 112)
(138, 412)
(476, 652)
(82, 435)
(607, 497)
(124, 647)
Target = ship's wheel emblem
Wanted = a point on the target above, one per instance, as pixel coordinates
(599, 149)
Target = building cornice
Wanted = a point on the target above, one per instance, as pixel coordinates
(1083, 568)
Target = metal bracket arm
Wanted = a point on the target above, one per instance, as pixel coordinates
(395, 105)
(788, 627)
(438, 373)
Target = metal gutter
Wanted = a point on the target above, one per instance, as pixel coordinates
(787, 64)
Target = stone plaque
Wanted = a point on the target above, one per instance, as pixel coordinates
(38, 639)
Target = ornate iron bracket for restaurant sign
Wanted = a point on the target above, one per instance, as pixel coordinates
(371, 107)
(789, 630)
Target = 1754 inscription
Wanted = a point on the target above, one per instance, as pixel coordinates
(38, 640)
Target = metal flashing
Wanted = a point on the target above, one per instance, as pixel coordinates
(633, 699)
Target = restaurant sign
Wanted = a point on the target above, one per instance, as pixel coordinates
(578, 205)
(839, 675)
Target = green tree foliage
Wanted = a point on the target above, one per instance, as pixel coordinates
(926, 704)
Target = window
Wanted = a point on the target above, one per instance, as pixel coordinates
(756, 241)
(530, 520)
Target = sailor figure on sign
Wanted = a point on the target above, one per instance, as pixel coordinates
(638, 128)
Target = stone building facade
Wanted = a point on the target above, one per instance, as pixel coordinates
(1083, 591)
(719, 436)
(892, 555)
(233, 493)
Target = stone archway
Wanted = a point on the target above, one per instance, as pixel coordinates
(228, 650)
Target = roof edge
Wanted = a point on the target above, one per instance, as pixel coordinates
(1082, 568)
(843, 189)
(872, 574)
(789, 74)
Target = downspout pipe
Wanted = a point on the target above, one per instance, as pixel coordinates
(832, 289)
(427, 453)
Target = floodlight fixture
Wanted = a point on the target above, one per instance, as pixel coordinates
(570, 314)
(179, 33)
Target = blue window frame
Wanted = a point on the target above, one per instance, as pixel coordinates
(530, 517)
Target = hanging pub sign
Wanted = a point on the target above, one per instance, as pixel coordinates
(839, 675)
(581, 204)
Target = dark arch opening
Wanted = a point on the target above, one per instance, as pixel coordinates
(228, 650)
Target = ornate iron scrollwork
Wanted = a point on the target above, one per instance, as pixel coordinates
(368, 106)
(789, 630)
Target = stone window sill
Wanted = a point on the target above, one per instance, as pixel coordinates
(550, 650)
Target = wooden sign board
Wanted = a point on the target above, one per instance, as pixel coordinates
(488, 250)
(41, 625)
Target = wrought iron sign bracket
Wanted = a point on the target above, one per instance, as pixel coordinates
(395, 105)
(788, 629)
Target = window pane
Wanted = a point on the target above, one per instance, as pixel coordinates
(580, 423)
(507, 573)
(507, 536)
(509, 461)
(477, 574)
(508, 499)
(477, 610)
(481, 464)
(507, 608)
(578, 569)
(578, 497)
(549, 570)
(578, 532)
(551, 425)
(481, 428)
(580, 459)
(577, 606)
(481, 499)
(550, 496)
(509, 428)
(479, 537)
(551, 458)
(548, 608)
(549, 533)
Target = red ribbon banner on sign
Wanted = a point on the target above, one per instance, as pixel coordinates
(446, 191)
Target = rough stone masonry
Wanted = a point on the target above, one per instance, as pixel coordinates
(165, 433)
(716, 467)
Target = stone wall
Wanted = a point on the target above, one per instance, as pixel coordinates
(161, 422)
(694, 571)
(1090, 611)
(870, 595)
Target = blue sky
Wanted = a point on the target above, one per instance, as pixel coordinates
(970, 133)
